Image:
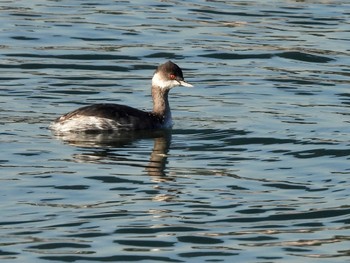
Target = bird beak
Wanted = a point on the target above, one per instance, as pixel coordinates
(185, 84)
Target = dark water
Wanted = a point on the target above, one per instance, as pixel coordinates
(256, 168)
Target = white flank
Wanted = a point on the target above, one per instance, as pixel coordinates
(84, 123)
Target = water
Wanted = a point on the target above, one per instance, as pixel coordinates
(256, 168)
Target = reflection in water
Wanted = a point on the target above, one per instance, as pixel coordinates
(102, 146)
(158, 158)
(260, 163)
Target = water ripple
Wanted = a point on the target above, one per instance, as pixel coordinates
(256, 168)
(299, 56)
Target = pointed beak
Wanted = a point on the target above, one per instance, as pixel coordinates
(185, 84)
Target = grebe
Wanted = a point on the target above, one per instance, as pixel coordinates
(115, 117)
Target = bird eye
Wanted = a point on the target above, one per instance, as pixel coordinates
(172, 76)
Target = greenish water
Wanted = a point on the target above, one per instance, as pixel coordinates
(256, 168)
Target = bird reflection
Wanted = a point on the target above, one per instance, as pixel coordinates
(158, 159)
(102, 148)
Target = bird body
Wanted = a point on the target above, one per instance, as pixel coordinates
(116, 117)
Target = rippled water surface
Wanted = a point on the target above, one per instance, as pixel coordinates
(256, 168)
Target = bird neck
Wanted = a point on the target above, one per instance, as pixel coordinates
(161, 106)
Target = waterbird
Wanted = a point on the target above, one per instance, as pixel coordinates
(115, 117)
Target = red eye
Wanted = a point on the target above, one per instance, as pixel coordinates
(172, 76)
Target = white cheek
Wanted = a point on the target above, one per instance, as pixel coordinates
(158, 81)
